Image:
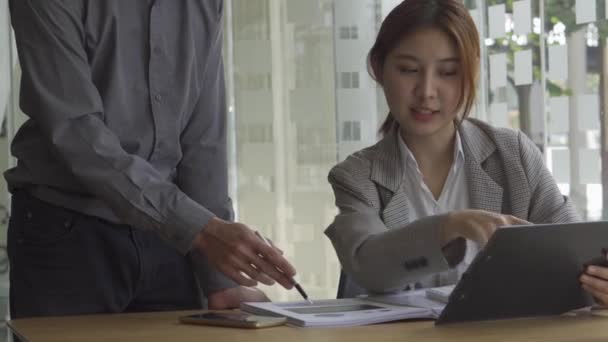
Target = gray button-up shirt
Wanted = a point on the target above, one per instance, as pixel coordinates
(126, 108)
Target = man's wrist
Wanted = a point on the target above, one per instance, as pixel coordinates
(201, 240)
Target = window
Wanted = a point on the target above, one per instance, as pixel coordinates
(311, 68)
(351, 131)
(344, 32)
(253, 81)
(256, 133)
(349, 80)
(349, 32)
(563, 118)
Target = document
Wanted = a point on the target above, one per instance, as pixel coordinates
(352, 311)
(440, 294)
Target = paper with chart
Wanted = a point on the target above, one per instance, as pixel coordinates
(352, 311)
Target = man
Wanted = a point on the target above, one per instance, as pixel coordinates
(121, 184)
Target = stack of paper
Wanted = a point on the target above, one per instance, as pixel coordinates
(440, 294)
(352, 311)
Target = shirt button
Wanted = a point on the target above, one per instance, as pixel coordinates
(158, 97)
(157, 50)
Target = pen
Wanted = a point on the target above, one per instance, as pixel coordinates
(293, 282)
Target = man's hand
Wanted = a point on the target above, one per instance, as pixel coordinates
(235, 250)
(233, 297)
(475, 225)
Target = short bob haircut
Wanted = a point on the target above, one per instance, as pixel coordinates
(451, 17)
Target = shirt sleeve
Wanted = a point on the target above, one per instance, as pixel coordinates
(202, 141)
(58, 94)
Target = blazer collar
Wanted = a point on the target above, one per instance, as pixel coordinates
(476, 143)
(388, 166)
(484, 192)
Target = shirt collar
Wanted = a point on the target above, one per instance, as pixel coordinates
(408, 159)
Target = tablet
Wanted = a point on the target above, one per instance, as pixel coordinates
(528, 270)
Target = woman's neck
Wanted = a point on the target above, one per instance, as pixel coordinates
(432, 151)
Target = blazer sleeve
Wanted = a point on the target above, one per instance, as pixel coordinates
(379, 259)
(547, 204)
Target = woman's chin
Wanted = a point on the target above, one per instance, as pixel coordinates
(431, 127)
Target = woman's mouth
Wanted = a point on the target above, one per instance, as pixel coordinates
(423, 114)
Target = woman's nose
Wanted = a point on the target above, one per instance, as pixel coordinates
(426, 87)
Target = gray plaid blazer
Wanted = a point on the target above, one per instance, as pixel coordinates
(382, 250)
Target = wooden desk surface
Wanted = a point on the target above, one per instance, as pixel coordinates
(163, 326)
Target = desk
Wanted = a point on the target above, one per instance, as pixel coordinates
(163, 326)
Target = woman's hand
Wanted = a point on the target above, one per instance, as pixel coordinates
(475, 225)
(595, 281)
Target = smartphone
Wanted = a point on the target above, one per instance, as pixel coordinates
(233, 319)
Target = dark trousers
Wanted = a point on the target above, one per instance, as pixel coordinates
(66, 263)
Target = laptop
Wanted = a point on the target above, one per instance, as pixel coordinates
(527, 270)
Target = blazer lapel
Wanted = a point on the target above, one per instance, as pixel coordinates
(387, 171)
(484, 193)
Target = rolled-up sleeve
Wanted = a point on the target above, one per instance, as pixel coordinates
(58, 94)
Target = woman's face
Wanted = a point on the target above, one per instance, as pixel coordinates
(421, 78)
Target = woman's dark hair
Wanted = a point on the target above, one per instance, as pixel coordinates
(451, 17)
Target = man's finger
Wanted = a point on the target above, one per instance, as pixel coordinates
(259, 254)
(263, 277)
(267, 260)
(276, 259)
(266, 280)
(272, 272)
(251, 272)
(235, 275)
(275, 246)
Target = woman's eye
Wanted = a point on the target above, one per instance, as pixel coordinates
(408, 70)
(449, 73)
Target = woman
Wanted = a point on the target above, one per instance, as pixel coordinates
(415, 208)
